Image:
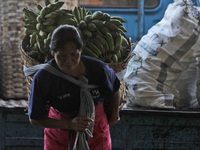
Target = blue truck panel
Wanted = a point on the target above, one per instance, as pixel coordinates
(138, 27)
(147, 129)
(139, 128)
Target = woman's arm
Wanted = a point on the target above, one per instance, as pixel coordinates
(77, 124)
(112, 109)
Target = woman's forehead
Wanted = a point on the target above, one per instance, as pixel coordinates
(67, 50)
(69, 46)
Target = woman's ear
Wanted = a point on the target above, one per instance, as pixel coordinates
(52, 53)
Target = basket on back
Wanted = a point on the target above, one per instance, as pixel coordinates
(103, 35)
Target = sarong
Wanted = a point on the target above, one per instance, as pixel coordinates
(58, 139)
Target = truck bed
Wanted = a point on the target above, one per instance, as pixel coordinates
(139, 128)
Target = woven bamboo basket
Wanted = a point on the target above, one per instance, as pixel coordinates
(118, 67)
(28, 62)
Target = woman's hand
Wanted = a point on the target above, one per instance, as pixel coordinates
(113, 120)
(80, 123)
(77, 124)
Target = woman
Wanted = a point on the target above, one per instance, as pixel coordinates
(55, 102)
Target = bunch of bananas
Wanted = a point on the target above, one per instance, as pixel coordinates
(103, 35)
(39, 26)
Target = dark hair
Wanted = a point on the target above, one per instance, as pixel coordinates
(64, 34)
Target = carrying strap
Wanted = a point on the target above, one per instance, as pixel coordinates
(87, 107)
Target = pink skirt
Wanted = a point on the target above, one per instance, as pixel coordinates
(58, 139)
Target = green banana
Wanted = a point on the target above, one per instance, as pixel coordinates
(107, 58)
(110, 41)
(31, 26)
(28, 32)
(48, 29)
(89, 12)
(88, 18)
(42, 34)
(45, 10)
(94, 48)
(40, 19)
(65, 17)
(115, 58)
(99, 45)
(103, 41)
(84, 12)
(97, 15)
(98, 23)
(49, 36)
(105, 17)
(29, 13)
(118, 18)
(39, 7)
(47, 2)
(26, 13)
(51, 15)
(48, 22)
(89, 52)
(92, 27)
(69, 15)
(80, 12)
(104, 30)
(77, 14)
(125, 42)
(121, 32)
(45, 42)
(66, 11)
(27, 21)
(87, 33)
(119, 54)
(114, 34)
(115, 22)
(122, 28)
(33, 38)
(69, 21)
(111, 26)
(39, 26)
(118, 42)
(82, 24)
(40, 43)
(58, 5)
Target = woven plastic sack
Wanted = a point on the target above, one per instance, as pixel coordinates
(187, 88)
(166, 51)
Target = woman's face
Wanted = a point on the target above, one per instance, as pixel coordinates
(68, 58)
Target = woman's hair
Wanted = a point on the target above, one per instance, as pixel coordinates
(64, 34)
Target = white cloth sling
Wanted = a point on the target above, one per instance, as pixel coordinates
(87, 107)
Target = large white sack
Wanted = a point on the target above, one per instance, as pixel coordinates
(166, 50)
(187, 88)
